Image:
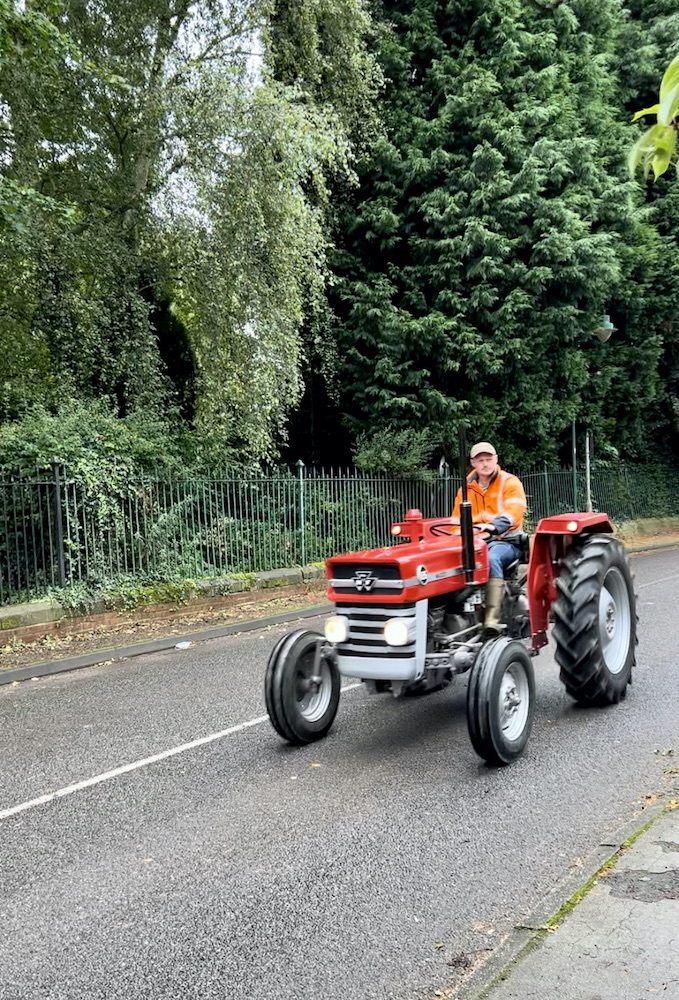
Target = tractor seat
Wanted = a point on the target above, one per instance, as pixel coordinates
(523, 541)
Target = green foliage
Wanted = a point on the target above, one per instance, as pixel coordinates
(649, 42)
(322, 47)
(399, 451)
(492, 226)
(161, 206)
(168, 202)
(656, 148)
(97, 447)
(250, 268)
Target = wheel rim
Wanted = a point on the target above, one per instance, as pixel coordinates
(514, 701)
(614, 620)
(312, 693)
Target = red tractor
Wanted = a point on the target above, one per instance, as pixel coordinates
(409, 617)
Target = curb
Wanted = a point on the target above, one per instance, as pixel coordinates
(222, 591)
(522, 938)
(650, 547)
(155, 646)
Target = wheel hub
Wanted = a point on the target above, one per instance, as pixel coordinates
(513, 702)
(313, 691)
(615, 620)
(609, 623)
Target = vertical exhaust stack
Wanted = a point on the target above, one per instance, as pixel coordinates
(466, 524)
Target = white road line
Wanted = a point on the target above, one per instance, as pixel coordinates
(652, 583)
(79, 786)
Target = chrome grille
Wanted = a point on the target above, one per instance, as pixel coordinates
(366, 623)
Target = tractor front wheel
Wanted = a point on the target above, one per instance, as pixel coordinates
(301, 688)
(501, 701)
(595, 619)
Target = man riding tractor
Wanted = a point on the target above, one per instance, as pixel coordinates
(498, 506)
(408, 616)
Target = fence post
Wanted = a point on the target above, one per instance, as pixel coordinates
(58, 522)
(302, 516)
(444, 482)
(588, 475)
(629, 493)
(548, 505)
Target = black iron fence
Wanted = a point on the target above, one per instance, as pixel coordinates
(56, 529)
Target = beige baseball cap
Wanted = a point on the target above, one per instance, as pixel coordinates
(483, 447)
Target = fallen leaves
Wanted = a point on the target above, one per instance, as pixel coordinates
(74, 639)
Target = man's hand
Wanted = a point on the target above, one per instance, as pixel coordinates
(484, 526)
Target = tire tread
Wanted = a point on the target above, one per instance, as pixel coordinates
(583, 671)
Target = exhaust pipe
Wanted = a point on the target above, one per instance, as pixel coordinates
(466, 523)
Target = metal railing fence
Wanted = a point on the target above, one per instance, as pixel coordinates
(57, 530)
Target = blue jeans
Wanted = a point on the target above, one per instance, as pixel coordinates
(500, 555)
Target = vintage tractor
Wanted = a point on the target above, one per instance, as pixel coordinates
(409, 617)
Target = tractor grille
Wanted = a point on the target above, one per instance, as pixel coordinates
(365, 637)
(361, 578)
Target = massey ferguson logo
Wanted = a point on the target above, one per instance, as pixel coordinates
(364, 580)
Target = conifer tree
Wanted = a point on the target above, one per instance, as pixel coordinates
(649, 42)
(493, 225)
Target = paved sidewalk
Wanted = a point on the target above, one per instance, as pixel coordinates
(620, 941)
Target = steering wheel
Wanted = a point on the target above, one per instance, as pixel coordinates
(442, 530)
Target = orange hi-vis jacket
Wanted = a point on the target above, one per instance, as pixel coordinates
(502, 504)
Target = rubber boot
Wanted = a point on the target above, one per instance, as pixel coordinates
(495, 592)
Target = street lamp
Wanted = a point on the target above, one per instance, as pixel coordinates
(605, 328)
(603, 332)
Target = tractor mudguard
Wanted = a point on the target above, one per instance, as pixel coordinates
(552, 539)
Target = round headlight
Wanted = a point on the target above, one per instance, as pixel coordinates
(337, 629)
(397, 632)
(572, 526)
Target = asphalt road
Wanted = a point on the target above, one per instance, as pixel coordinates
(359, 867)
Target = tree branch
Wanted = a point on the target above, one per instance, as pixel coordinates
(205, 56)
(546, 6)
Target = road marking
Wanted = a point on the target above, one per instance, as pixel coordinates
(652, 583)
(79, 786)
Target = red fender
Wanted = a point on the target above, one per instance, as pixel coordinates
(552, 540)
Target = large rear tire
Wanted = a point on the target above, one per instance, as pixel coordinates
(301, 703)
(595, 628)
(501, 701)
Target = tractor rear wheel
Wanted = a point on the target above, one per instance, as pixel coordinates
(595, 621)
(501, 701)
(301, 690)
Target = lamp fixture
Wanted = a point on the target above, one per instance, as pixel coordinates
(605, 328)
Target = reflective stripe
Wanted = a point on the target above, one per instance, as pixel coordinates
(491, 502)
(443, 574)
(500, 504)
(504, 478)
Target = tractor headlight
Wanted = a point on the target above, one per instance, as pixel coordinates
(397, 632)
(337, 629)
